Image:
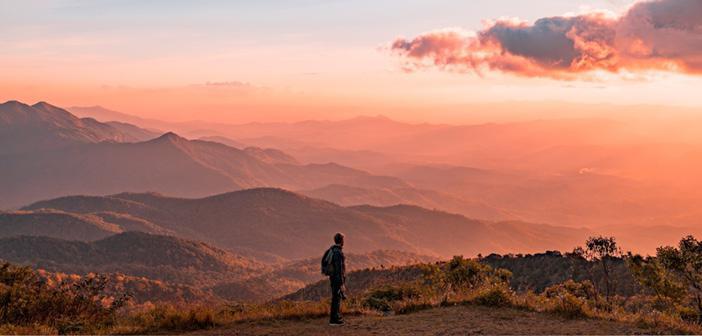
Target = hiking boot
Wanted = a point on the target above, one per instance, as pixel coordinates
(336, 323)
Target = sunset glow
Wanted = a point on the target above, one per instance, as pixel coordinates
(422, 167)
(285, 61)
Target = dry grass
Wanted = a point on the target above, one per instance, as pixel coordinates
(455, 320)
(172, 319)
(419, 304)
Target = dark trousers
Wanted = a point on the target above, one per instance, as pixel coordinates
(335, 315)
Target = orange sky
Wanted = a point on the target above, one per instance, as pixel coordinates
(308, 59)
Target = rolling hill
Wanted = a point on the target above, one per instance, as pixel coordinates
(164, 268)
(290, 226)
(350, 196)
(294, 275)
(72, 226)
(267, 220)
(56, 224)
(630, 166)
(93, 158)
(139, 254)
(141, 290)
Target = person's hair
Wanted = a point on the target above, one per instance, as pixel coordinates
(338, 238)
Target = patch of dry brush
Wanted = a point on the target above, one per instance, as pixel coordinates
(669, 300)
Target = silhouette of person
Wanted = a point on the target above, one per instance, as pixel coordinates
(337, 278)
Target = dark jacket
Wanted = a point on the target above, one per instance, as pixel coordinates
(339, 262)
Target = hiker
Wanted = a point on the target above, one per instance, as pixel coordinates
(334, 266)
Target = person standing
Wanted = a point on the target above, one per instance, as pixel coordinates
(334, 266)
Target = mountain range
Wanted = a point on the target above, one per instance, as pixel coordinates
(562, 172)
(618, 169)
(289, 226)
(155, 257)
(243, 212)
(352, 195)
(165, 268)
(48, 152)
(42, 127)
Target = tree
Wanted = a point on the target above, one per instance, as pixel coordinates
(650, 274)
(685, 263)
(602, 249)
(579, 267)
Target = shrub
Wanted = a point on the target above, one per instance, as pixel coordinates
(465, 273)
(494, 296)
(688, 314)
(503, 275)
(648, 304)
(27, 301)
(382, 298)
(459, 276)
(570, 306)
(584, 290)
(571, 299)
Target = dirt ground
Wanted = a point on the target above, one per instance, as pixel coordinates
(461, 320)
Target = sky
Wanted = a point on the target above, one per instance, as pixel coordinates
(285, 60)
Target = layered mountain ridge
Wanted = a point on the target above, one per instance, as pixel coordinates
(47, 152)
(292, 226)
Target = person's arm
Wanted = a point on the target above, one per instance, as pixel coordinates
(343, 268)
(342, 273)
(338, 262)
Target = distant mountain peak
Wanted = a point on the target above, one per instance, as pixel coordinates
(169, 137)
(14, 102)
(42, 104)
(13, 108)
(17, 112)
(43, 126)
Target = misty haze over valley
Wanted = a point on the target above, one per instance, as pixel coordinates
(398, 167)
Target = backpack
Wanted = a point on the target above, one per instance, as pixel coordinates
(327, 265)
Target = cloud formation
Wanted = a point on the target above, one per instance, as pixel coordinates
(652, 35)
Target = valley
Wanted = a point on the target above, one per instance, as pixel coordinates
(231, 216)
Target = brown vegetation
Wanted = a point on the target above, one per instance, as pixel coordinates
(669, 307)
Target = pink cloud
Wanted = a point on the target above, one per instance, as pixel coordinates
(651, 35)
